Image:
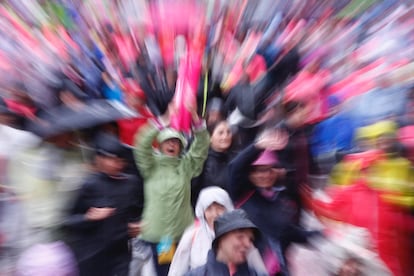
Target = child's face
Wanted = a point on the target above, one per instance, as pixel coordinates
(171, 147)
(212, 212)
(110, 165)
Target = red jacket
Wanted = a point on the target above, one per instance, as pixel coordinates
(390, 227)
(129, 127)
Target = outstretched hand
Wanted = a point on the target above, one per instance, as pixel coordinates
(165, 118)
(134, 228)
(192, 109)
(272, 139)
(95, 214)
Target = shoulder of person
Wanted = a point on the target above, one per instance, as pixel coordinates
(91, 180)
(199, 271)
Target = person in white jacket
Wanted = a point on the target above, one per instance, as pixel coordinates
(196, 241)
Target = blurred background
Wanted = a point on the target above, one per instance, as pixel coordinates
(71, 69)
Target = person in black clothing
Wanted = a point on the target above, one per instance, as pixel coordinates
(106, 213)
(257, 186)
(296, 156)
(220, 153)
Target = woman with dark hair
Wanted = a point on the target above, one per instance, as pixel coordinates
(219, 155)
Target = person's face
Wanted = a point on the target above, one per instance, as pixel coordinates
(112, 166)
(234, 246)
(263, 176)
(171, 147)
(350, 268)
(297, 117)
(221, 137)
(212, 212)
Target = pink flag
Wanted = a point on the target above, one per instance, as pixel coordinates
(186, 89)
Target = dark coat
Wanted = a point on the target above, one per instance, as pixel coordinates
(215, 173)
(216, 268)
(97, 244)
(296, 158)
(158, 94)
(275, 217)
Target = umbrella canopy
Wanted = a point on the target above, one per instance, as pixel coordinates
(64, 119)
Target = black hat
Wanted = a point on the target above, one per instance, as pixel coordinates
(230, 221)
(109, 145)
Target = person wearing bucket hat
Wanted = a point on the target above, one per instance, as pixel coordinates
(196, 241)
(105, 213)
(234, 238)
(231, 221)
(167, 175)
(258, 186)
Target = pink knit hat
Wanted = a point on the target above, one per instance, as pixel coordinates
(266, 158)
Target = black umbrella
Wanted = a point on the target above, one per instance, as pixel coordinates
(64, 119)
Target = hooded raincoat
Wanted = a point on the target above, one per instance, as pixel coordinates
(167, 188)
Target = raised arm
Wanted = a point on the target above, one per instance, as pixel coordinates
(143, 152)
(239, 171)
(240, 166)
(198, 151)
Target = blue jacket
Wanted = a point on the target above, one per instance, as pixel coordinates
(333, 134)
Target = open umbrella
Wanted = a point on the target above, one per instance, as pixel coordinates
(64, 119)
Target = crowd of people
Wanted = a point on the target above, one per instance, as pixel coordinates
(201, 137)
